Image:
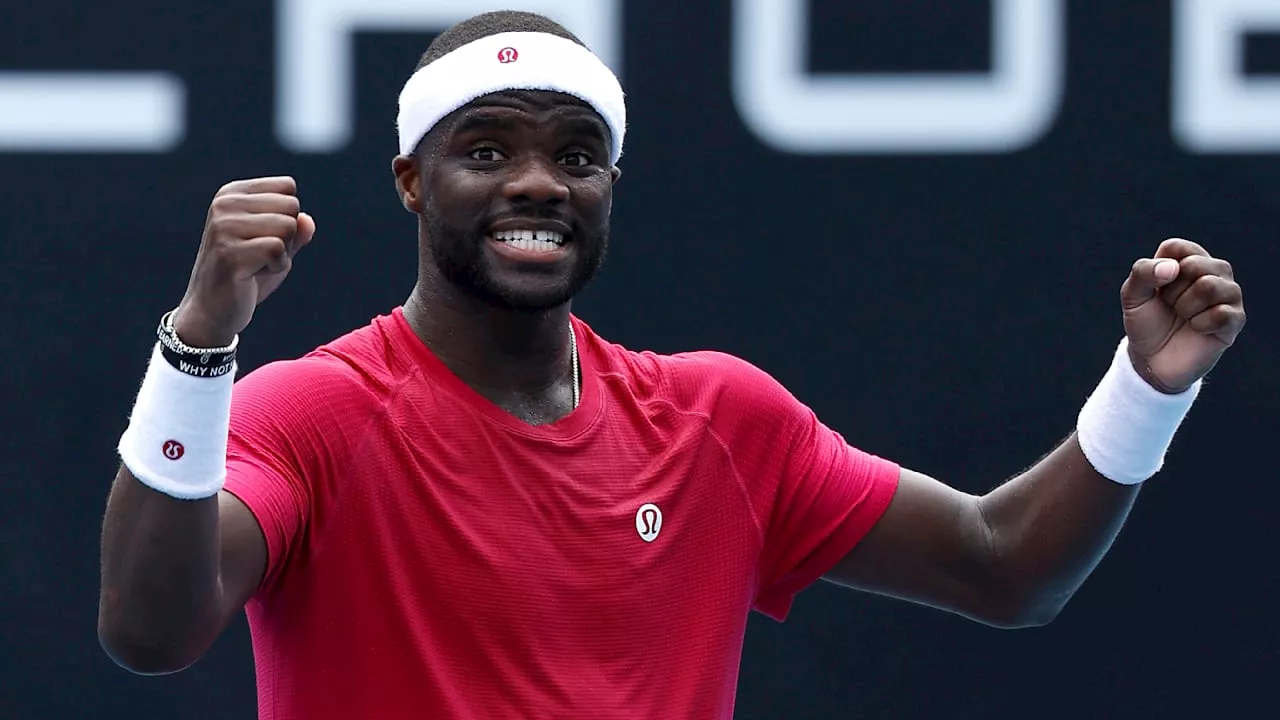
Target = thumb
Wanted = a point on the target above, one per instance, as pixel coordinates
(1148, 276)
(306, 231)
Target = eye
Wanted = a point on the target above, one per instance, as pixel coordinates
(576, 159)
(486, 154)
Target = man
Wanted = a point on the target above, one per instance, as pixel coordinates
(477, 507)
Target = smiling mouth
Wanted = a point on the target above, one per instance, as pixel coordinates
(531, 240)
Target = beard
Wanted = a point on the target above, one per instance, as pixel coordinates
(460, 258)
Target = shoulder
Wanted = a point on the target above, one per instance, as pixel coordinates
(738, 397)
(356, 371)
(722, 387)
(719, 378)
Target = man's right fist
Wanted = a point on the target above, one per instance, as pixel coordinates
(253, 230)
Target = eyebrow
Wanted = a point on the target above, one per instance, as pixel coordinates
(576, 124)
(586, 125)
(486, 121)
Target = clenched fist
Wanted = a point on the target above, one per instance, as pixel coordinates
(1182, 310)
(253, 230)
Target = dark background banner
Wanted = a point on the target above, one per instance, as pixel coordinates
(940, 284)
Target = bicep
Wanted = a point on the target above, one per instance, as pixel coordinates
(243, 552)
(931, 546)
(286, 425)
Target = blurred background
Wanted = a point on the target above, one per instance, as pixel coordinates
(916, 214)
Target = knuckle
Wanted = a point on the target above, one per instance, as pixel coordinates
(1206, 287)
(1203, 324)
(223, 201)
(1196, 263)
(1226, 290)
(222, 254)
(221, 224)
(275, 256)
(1213, 317)
(236, 187)
(282, 185)
(225, 206)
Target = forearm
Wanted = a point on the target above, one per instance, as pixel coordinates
(1015, 556)
(161, 604)
(1050, 526)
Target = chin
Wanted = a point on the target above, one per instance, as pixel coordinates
(532, 290)
(528, 299)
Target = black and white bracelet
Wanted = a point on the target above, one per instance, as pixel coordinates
(197, 362)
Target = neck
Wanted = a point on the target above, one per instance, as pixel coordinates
(518, 359)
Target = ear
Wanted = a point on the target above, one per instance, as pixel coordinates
(408, 182)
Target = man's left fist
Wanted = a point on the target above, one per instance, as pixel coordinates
(1182, 310)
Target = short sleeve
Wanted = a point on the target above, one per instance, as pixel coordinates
(292, 426)
(814, 495)
(828, 497)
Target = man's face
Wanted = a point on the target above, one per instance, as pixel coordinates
(517, 189)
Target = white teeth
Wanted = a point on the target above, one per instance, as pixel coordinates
(536, 237)
(533, 245)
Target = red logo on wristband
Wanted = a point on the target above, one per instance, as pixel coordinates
(173, 449)
(508, 55)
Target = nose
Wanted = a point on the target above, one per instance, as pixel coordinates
(536, 179)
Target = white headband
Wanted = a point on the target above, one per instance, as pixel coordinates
(510, 61)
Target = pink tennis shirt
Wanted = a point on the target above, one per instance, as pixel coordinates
(430, 555)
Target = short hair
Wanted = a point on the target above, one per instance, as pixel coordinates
(491, 23)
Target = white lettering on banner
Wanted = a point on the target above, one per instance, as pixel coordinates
(795, 111)
(1215, 107)
(314, 105)
(91, 111)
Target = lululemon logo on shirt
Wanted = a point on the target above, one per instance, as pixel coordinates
(508, 55)
(648, 522)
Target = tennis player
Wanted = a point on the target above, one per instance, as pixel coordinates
(477, 507)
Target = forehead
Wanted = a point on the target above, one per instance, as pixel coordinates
(534, 107)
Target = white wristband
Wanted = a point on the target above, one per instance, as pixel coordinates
(1126, 426)
(176, 441)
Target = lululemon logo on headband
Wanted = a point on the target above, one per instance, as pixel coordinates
(648, 522)
(173, 449)
(508, 55)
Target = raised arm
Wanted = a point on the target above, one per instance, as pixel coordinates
(179, 557)
(174, 573)
(1014, 556)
